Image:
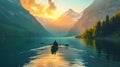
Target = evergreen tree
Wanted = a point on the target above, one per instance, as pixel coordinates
(108, 28)
(107, 18)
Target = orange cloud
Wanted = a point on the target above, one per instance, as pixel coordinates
(39, 9)
(52, 5)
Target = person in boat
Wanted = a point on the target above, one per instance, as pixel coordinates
(54, 47)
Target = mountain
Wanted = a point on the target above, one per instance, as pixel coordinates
(110, 28)
(71, 15)
(95, 12)
(61, 25)
(15, 21)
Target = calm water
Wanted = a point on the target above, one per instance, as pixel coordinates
(35, 52)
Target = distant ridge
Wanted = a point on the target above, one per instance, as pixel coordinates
(95, 12)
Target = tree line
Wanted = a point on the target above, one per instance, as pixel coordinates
(110, 27)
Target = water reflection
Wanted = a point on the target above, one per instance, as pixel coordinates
(80, 53)
(63, 58)
(110, 49)
(48, 61)
(89, 43)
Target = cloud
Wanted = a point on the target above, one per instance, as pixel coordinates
(52, 5)
(39, 9)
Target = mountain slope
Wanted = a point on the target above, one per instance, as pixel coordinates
(63, 24)
(71, 15)
(68, 19)
(95, 12)
(110, 28)
(15, 21)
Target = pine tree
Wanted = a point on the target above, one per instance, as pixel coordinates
(109, 27)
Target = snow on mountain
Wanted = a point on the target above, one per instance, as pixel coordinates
(61, 25)
(95, 12)
(70, 14)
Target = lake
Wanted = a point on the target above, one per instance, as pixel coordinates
(35, 52)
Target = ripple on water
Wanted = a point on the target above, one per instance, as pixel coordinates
(63, 58)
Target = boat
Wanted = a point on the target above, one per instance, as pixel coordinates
(54, 47)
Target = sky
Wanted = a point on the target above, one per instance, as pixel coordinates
(64, 5)
(47, 12)
(76, 5)
(54, 8)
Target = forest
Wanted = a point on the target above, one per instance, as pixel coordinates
(110, 28)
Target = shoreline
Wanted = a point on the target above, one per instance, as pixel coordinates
(102, 38)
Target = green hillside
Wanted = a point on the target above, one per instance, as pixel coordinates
(15, 21)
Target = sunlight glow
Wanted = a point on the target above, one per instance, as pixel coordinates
(52, 16)
(53, 8)
(36, 8)
(44, 58)
(48, 60)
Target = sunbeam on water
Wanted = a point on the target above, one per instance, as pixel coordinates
(63, 58)
(48, 61)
